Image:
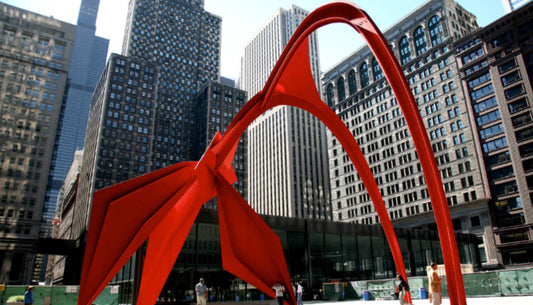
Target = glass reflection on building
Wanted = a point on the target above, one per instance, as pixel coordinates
(317, 252)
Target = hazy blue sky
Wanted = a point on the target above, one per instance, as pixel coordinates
(241, 19)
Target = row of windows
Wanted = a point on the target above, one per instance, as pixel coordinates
(15, 186)
(436, 35)
(41, 47)
(411, 210)
(18, 229)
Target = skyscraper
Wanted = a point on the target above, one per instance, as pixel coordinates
(360, 95)
(216, 106)
(118, 141)
(35, 56)
(119, 131)
(184, 40)
(87, 63)
(287, 165)
(142, 116)
(496, 65)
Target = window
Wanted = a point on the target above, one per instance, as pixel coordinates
(494, 145)
(435, 31)
(479, 80)
(482, 92)
(510, 78)
(489, 117)
(472, 55)
(420, 41)
(491, 131)
(518, 105)
(498, 159)
(486, 104)
(522, 119)
(341, 91)
(330, 95)
(507, 66)
(42, 45)
(501, 173)
(363, 74)
(405, 50)
(509, 204)
(524, 134)
(513, 237)
(352, 85)
(513, 92)
(475, 221)
(459, 139)
(376, 69)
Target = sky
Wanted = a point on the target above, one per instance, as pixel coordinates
(242, 19)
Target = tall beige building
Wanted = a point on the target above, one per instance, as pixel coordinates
(34, 59)
(287, 165)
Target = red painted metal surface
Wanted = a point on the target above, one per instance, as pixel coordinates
(162, 205)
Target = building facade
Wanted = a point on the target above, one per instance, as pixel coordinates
(496, 67)
(119, 132)
(360, 95)
(216, 106)
(184, 39)
(58, 266)
(35, 54)
(287, 166)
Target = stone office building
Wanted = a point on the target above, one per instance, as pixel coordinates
(360, 95)
(34, 60)
(287, 168)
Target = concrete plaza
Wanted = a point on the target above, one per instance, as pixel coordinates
(508, 300)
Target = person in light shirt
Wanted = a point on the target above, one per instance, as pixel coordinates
(280, 292)
(435, 296)
(201, 292)
(299, 293)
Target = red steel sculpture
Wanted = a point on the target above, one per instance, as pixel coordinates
(161, 206)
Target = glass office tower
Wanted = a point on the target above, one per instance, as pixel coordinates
(87, 63)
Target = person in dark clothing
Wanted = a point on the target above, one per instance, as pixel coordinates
(28, 296)
(403, 287)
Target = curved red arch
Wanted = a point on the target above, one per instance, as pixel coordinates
(173, 196)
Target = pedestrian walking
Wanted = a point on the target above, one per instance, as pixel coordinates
(299, 293)
(280, 292)
(435, 295)
(403, 287)
(201, 292)
(28, 296)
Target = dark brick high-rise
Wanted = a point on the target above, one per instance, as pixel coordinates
(184, 40)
